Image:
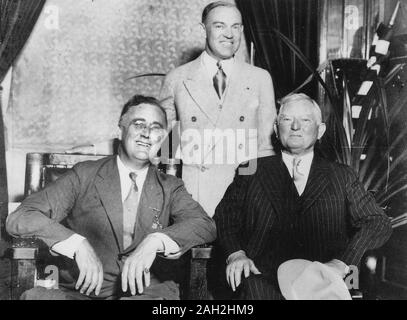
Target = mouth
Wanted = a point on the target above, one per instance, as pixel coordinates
(143, 144)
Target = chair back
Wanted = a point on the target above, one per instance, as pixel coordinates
(43, 168)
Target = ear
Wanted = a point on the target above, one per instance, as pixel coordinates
(275, 129)
(119, 133)
(203, 27)
(321, 130)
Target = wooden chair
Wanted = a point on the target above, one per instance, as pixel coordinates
(27, 261)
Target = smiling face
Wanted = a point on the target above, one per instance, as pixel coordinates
(299, 127)
(142, 131)
(224, 29)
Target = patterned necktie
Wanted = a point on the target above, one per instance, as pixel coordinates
(219, 80)
(130, 206)
(298, 177)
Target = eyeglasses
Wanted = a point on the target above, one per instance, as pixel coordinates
(153, 129)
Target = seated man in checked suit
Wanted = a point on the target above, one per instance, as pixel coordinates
(295, 206)
(109, 218)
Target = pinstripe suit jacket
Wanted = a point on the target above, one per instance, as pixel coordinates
(335, 217)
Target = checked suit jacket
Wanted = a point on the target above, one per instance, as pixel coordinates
(335, 217)
(87, 201)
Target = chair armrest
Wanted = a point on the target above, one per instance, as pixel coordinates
(198, 283)
(23, 254)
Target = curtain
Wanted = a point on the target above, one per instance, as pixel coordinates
(297, 20)
(17, 19)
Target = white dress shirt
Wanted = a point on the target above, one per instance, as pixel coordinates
(304, 168)
(209, 63)
(69, 246)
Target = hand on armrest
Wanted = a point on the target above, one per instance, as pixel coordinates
(237, 263)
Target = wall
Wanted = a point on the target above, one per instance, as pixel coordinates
(71, 80)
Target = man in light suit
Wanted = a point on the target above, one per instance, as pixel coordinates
(110, 218)
(225, 107)
(295, 206)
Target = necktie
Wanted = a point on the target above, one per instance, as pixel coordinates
(130, 206)
(219, 80)
(298, 177)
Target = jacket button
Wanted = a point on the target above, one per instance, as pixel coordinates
(193, 119)
(240, 146)
(241, 119)
(196, 147)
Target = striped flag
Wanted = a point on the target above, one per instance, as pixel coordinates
(378, 52)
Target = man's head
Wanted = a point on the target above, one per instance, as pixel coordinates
(222, 23)
(299, 124)
(143, 125)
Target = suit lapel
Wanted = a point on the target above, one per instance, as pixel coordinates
(317, 182)
(201, 90)
(273, 181)
(232, 99)
(150, 208)
(108, 186)
(238, 84)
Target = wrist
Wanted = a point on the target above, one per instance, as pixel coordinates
(155, 242)
(233, 256)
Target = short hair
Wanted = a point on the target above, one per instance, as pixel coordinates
(214, 5)
(140, 99)
(298, 97)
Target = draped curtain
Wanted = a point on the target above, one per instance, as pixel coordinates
(17, 19)
(297, 20)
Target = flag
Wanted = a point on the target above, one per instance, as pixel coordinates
(378, 52)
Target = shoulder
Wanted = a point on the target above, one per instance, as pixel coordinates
(183, 70)
(254, 71)
(91, 168)
(256, 166)
(168, 182)
(338, 171)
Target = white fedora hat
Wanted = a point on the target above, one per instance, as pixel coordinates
(305, 280)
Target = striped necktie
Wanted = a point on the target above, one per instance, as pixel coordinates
(219, 80)
(130, 206)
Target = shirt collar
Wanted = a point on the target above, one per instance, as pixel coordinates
(209, 64)
(125, 181)
(305, 164)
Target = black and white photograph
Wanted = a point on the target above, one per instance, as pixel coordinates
(225, 152)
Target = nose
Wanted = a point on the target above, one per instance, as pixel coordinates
(145, 132)
(295, 125)
(228, 33)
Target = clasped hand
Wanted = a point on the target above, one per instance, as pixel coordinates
(239, 263)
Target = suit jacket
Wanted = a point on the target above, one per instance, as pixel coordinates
(87, 201)
(246, 113)
(334, 218)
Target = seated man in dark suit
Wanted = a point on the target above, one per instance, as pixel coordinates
(295, 206)
(112, 216)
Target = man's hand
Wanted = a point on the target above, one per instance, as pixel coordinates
(338, 267)
(138, 264)
(238, 262)
(90, 269)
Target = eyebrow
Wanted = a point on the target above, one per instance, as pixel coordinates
(221, 22)
(144, 120)
(304, 115)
